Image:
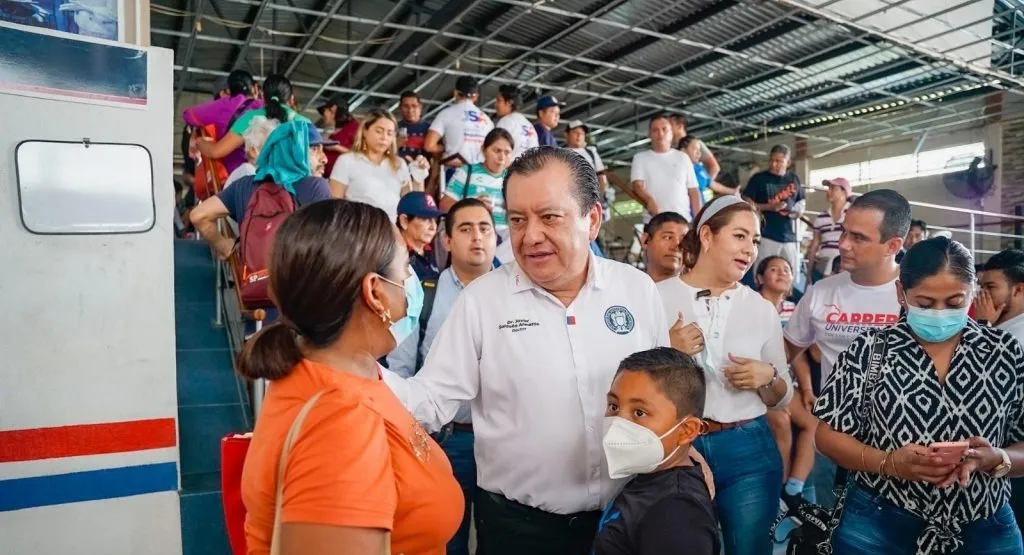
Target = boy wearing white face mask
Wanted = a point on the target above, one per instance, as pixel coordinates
(654, 412)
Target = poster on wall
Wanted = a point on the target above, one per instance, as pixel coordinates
(49, 64)
(101, 19)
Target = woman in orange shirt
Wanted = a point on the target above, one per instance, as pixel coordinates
(361, 466)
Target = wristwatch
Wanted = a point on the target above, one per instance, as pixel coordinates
(775, 376)
(1003, 468)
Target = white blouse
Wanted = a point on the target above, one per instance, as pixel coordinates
(740, 322)
(376, 184)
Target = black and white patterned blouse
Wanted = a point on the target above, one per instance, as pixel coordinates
(982, 396)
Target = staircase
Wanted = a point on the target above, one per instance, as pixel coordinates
(211, 401)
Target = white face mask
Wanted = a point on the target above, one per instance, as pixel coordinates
(633, 449)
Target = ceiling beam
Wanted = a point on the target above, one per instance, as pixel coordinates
(450, 13)
(332, 8)
(253, 29)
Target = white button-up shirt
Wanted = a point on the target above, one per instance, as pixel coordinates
(740, 322)
(537, 374)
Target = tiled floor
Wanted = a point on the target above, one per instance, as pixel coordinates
(209, 405)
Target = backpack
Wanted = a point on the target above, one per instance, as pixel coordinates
(267, 209)
(211, 175)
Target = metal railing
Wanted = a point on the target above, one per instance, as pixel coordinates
(971, 234)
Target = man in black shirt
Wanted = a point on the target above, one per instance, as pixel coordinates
(779, 196)
(654, 413)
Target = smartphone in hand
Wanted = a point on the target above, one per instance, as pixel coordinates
(949, 452)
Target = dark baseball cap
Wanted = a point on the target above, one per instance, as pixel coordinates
(467, 85)
(337, 99)
(316, 139)
(548, 101)
(418, 204)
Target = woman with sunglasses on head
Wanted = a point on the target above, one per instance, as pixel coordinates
(373, 172)
(361, 474)
(736, 335)
(934, 428)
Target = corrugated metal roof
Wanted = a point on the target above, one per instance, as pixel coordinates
(731, 81)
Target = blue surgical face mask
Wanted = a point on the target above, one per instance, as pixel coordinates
(936, 325)
(405, 327)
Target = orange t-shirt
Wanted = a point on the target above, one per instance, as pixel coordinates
(360, 460)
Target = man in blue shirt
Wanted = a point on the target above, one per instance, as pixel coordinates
(470, 238)
(412, 129)
(234, 199)
(549, 113)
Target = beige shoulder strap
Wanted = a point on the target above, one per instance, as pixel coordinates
(282, 463)
(289, 441)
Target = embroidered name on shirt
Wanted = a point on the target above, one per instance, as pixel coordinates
(518, 324)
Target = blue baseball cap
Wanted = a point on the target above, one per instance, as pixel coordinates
(548, 101)
(316, 139)
(418, 204)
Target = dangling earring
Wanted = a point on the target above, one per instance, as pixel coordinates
(385, 316)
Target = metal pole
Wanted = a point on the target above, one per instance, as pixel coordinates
(218, 298)
(259, 386)
(973, 246)
(190, 49)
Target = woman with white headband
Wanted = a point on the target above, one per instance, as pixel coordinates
(736, 335)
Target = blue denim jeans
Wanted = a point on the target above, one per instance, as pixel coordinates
(459, 448)
(748, 481)
(872, 525)
(823, 477)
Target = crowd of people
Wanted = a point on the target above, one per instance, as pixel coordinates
(450, 352)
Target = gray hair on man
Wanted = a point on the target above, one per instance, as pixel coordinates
(256, 134)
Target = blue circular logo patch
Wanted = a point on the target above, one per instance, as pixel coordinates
(619, 320)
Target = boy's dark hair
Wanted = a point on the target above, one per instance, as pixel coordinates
(1010, 262)
(921, 224)
(677, 375)
(663, 218)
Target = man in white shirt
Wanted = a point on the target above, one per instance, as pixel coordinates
(837, 309)
(533, 346)
(506, 105)
(663, 177)
(463, 127)
(1001, 299)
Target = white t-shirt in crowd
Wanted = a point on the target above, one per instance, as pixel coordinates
(740, 322)
(834, 311)
(463, 127)
(668, 176)
(244, 170)
(1015, 326)
(590, 155)
(375, 184)
(522, 132)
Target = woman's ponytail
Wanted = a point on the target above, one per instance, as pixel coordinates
(271, 354)
(277, 90)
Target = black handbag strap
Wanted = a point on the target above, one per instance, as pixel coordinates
(875, 358)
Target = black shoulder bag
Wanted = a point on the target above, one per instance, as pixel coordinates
(813, 536)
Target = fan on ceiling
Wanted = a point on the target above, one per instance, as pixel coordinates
(973, 183)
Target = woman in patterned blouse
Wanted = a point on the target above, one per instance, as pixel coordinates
(942, 378)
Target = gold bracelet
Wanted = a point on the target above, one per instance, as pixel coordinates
(892, 463)
(881, 466)
(863, 452)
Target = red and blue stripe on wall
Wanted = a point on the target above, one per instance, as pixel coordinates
(87, 439)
